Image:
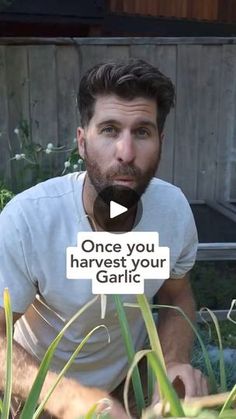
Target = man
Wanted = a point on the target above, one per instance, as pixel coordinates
(123, 108)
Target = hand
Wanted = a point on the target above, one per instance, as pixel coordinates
(187, 381)
(70, 400)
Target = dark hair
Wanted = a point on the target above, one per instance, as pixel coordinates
(127, 80)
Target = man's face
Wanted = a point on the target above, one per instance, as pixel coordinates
(121, 145)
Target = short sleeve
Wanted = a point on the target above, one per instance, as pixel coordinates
(188, 253)
(14, 270)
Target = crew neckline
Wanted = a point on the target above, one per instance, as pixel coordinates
(78, 184)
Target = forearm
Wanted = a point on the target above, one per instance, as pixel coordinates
(175, 334)
(25, 369)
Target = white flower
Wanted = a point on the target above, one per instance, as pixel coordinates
(67, 164)
(75, 140)
(75, 167)
(22, 156)
(17, 131)
(48, 150)
(18, 156)
(50, 146)
(80, 161)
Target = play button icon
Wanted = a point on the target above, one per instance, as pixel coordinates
(116, 209)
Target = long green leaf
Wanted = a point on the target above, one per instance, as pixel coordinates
(1, 406)
(32, 400)
(126, 333)
(137, 357)
(160, 375)
(165, 385)
(223, 381)
(152, 331)
(228, 402)
(211, 375)
(150, 383)
(64, 370)
(151, 327)
(9, 335)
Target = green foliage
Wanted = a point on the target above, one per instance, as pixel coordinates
(169, 406)
(228, 334)
(209, 337)
(34, 162)
(5, 196)
(213, 284)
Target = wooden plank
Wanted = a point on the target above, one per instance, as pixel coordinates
(91, 55)
(126, 6)
(139, 7)
(187, 121)
(208, 121)
(117, 52)
(5, 169)
(232, 194)
(202, 9)
(117, 5)
(18, 108)
(68, 75)
(172, 8)
(43, 100)
(164, 57)
(226, 180)
(152, 7)
(227, 11)
(180, 8)
(200, 40)
(166, 61)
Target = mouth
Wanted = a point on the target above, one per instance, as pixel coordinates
(124, 181)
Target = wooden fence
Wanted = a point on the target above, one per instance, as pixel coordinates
(39, 81)
(212, 10)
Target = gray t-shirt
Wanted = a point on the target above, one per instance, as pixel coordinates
(36, 227)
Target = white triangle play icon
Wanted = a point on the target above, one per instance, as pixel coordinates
(116, 209)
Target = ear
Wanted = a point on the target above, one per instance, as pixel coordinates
(80, 141)
(162, 137)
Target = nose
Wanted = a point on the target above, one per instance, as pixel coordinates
(125, 148)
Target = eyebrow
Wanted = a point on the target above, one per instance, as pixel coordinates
(108, 121)
(139, 122)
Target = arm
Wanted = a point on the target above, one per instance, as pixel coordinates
(68, 401)
(176, 337)
(175, 333)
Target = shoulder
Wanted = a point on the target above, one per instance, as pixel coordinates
(51, 188)
(164, 192)
(166, 202)
(54, 188)
(41, 199)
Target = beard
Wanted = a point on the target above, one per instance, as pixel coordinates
(105, 181)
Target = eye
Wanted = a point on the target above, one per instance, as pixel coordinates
(110, 130)
(143, 132)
